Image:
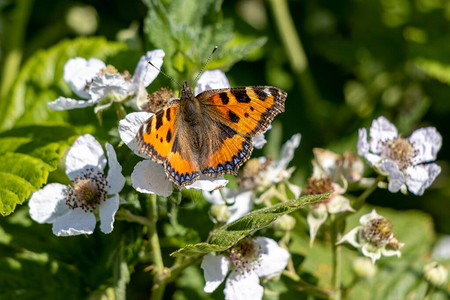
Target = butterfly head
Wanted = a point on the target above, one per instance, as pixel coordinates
(186, 92)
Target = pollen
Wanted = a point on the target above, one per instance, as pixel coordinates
(318, 186)
(157, 100)
(401, 151)
(245, 255)
(378, 232)
(87, 191)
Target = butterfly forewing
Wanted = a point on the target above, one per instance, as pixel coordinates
(247, 110)
(156, 135)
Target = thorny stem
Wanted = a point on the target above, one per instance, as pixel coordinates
(336, 263)
(159, 284)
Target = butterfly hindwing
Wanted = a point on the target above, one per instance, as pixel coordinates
(229, 152)
(247, 110)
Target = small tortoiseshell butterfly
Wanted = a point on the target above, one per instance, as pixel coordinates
(210, 134)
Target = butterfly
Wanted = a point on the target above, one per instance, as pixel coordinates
(211, 133)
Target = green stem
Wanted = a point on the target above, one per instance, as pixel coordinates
(12, 42)
(126, 215)
(158, 282)
(336, 263)
(296, 54)
(362, 198)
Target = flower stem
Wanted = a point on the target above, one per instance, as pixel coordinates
(296, 55)
(362, 198)
(158, 282)
(336, 263)
(14, 30)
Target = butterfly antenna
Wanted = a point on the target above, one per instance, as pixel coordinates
(204, 66)
(170, 77)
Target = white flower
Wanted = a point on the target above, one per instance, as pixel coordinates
(248, 260)
(238, 202)
(72, 209)
(405, 160)
(149, 176)
(374, 237)
(99, 84)
(328, 175)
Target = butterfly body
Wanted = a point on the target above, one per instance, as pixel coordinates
(210, 134)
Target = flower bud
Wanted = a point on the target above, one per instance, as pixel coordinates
(220, 212)
(284, 223)
(435, 274)
(364, 268)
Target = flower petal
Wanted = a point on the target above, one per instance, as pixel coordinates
(273, 258)
(420, 177)
(243, 286)
(48, 203)
(287, 154)
(74, 222)
(144, 72)
(371, 251)
(108, 84)
(365, 219)
(62, 103)
(107, 211)
(338, 204)
(129, 127)
(86, 152)
(207, 183)
(215, 268)
(427, 142)
(352, 237)
(259, 141)
(380, 131)
(326, 163)
(396, 177)
(390, 252)
(150, 178)
(316, 217)
(363, 144)
(210, 80)
(78, 72)
(115, 179)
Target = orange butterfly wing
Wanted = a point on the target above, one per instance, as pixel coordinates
(158, 138)
(241, 113)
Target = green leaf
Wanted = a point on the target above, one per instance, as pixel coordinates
(229, 234)
(41, 80)
(27, 156)
(191, 29)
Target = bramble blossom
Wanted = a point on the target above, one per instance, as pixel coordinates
(248, 260)
(329, 174)
(72, 209)
(101, 85)
(406, 161)
(374, 237)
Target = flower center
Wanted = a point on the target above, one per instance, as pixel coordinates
(245, 255)
(378, 232)
(319, 186)
(88, 190)
(110, 69)
(399, 150)
(157, 100)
